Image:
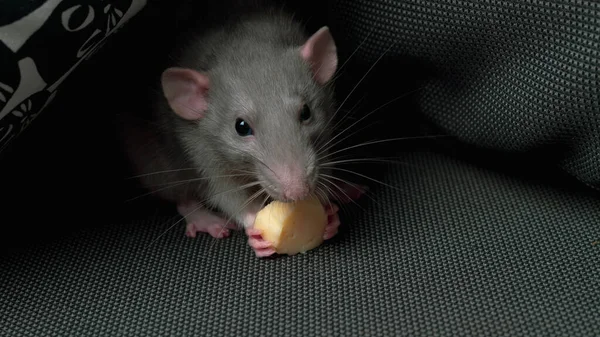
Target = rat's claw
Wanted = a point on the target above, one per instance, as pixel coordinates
(329, 234)
(264, 252)
(261, 247)
(253, 232)
(258, 244)
(331, 209)
(333, 221)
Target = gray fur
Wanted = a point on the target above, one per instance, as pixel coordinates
(256, 73)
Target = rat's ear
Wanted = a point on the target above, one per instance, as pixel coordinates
(321, 53)
(186, 91)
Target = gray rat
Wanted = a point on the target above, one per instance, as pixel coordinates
(243, 117)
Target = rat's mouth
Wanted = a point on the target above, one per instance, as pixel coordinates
(275, 195)
(290, 190)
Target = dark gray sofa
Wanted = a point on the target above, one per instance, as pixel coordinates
(492, 229)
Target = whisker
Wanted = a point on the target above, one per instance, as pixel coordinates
(316, 152)
(383, 160)
(160, 172)
(257, 159)
(330, 192)
(154, 191)
(205, 178)
(336, 195)
(264, 203)
(362, 160)
(173, 225)
(372, 112)
(349, 111)
(347, 136)
(366, 177)
(382, 141)
(321, 194)
(318, 194)
(201, 203)
(244, 205)
(178, 183)
(325, 178)
(339, 70)
(355, 186)
(355, 87)
(173, 171)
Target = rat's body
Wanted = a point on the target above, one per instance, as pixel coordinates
(246, 109)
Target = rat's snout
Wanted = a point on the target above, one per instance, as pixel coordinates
(294, 184)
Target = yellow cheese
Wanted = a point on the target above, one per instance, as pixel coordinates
(292, 227)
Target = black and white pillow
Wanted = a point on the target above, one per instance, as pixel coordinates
(41, 43)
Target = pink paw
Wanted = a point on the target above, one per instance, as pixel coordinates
(216, 230)
(261, 247)
(333, 221)
(200, 220)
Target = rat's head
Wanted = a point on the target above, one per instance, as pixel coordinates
(268, 110)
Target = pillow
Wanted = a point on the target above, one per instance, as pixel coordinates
(41, 43)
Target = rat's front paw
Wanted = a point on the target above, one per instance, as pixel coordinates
(218, 229)
(261, 247)
(333, 221)
(200, 220)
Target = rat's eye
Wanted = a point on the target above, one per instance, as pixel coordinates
(305, 113)
(242, 127)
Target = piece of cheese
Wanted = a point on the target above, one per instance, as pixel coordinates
(292, 227)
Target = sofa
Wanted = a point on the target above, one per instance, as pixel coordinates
(482, 216)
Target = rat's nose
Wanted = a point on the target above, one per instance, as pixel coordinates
(293, 182)
(296, 191)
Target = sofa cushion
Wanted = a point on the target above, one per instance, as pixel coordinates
(453, 249)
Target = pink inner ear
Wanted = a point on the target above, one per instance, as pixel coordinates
(186, 91)
(321, 53)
